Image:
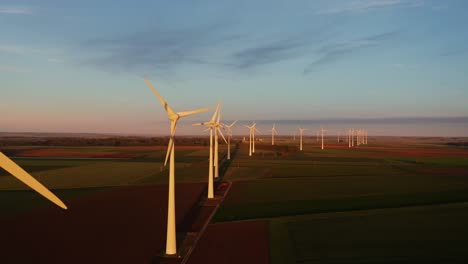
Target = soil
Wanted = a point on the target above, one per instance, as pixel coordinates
(233, 242)
(122, 225)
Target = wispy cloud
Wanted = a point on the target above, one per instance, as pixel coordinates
(5, 68)
(368, 5)
(16, 10)
(268, 53)
(160, 50)
(453, 52)
(337, 51)
(11, 49)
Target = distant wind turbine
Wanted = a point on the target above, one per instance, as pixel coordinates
(216, 153)
(229, 134)
(171, 247)
(211, 126)
(273, 133)
(301, 131)
(322, 130)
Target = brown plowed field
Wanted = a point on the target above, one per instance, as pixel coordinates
(418, 152)
(234, 242)
(124, 225)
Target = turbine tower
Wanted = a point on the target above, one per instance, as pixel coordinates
(301, 131)
(273, 133)
(250, 139)
(322, 130)
(216, 153)
(252, 130)
(211, 126)
(171, 247)
(15, 170)
(229, 131)
(349, 138)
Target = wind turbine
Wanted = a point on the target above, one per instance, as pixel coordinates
(301, 130)
(322, 130)
(211, 126)
(273, 133)
(252, 138)
(254, 128)
(349, 138)
(15, 170)
(216, 152)
(171, 247)
(229, 131)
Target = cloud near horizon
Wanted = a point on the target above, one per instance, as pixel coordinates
(16, 10)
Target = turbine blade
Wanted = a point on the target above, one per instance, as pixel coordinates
(233, 123)
(15, 170)
(164, 103)
(221, 133)
(171, 141)
(187, 113)
(213, 118)
(219, 115)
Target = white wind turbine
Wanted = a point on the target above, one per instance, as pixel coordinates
(273, 133)
(216, 153)
(15, 170)
(252, 130)
(171, 247)
(322, 130)
(211, 126)
(229, 131)
(349, 138)
(301, 131)
(253, 136)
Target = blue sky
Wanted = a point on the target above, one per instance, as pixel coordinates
(78, 66)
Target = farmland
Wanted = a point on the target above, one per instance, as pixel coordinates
(399, 200)
(384, 202)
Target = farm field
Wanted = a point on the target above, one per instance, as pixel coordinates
(384, 202)
(394, 200)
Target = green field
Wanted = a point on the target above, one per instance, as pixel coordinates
(72, 177)
(380, 203)
(361, 205)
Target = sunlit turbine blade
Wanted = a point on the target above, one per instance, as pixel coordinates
(219, 117)
(221, 133)
(233, 123)
(213, 118)
(187, 113)
(169, 110)
(171, 141)
(15, 170)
